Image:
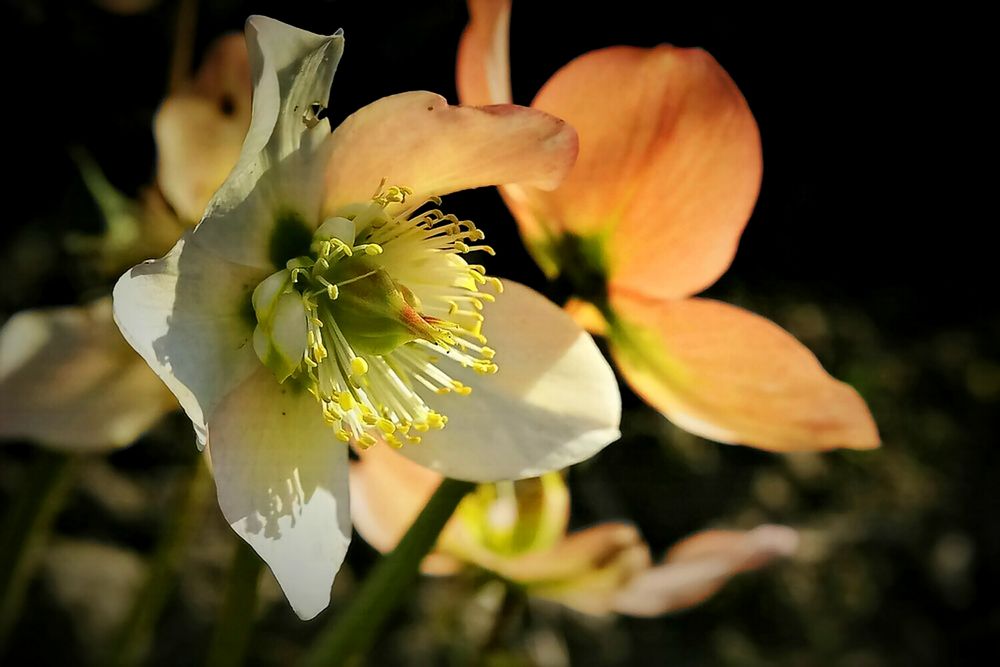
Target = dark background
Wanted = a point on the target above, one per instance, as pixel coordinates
(865, 243)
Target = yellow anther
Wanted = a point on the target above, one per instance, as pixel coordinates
(371, 249)
(343, 435)
(393, 441)
(369, 419)
(366, 441)
(461, 247)
(442, 391)
(346, 401)
(414, 439)
(423, 427)
(488, 352)
(359, 366)
(385, 426)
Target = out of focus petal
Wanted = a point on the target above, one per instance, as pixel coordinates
(726, 374)
(669, 165)
(586, 570)
(697, 567)
(200, 130)
(483, 70)
(69, 380)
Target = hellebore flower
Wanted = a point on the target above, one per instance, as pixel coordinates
(67, 377)
(651, 214)
(517, 530)
(324, 299)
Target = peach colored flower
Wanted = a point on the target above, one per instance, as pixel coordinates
(667, 176)
(518, 531)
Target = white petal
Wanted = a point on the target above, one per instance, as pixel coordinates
(69, 379)
(554, 402)
(189, 315)
(279, 170)
(282, 483)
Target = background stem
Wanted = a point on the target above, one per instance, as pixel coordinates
(133, 638)
(25, 528)
(387, 585)
(236, 617)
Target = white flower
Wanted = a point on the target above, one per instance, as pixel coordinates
(324, 298)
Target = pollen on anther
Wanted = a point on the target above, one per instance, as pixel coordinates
(359, 366)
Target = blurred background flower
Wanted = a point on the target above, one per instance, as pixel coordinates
(856, 246)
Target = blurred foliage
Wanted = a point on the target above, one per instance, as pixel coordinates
(898, 563)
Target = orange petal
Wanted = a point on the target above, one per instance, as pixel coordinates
(726, 374)
(417, 140)
(199, 131)
(669, 165)
(697, 567)
(387, 493)
(483, 71)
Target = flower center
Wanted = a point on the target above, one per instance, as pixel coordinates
(365, 320)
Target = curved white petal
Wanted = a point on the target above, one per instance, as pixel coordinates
(282, 483)
(189, 315)
(279, 171)
(69, 380)
(554, 402)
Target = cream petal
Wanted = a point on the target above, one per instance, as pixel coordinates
(697, 567)
(554, 402)
(417, 140)
(189, 316)
(273, 194)
(483, 69)
(726, 374)
(282, 483)
(68, 379)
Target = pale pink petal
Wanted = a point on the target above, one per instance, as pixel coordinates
(697, 567)
(417, 140)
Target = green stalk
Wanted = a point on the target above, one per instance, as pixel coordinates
(25, 529)
(387, 584)
(135, 635)
(232, 630)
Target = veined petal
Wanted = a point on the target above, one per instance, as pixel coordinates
(726, 374)
(279, 174)
(697, 567)
(198, 340)
(669, 166)
(417, 140)
(553, 403)
(483, 71)
(69, 380)
(199, 131)
(282, 482)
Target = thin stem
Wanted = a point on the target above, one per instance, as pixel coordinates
(232, 629)
(387, 584)
(25, 529)
(134, 636)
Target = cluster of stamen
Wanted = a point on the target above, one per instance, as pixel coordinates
(417, 249)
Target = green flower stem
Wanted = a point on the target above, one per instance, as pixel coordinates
(353, 630)
(232, 629)
(136, 633)
(25, 528)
